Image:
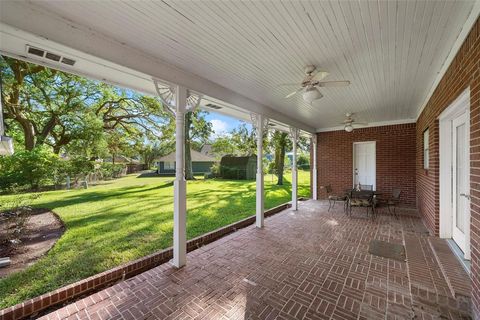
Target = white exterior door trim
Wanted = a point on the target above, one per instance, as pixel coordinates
(374, 162)
(458, 107)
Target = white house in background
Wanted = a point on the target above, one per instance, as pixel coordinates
(207, 150)
(201, 163)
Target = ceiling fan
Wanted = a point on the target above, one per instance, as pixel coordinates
(349, 122)
(311, 83)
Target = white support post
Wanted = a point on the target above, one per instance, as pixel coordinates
(314, 168)
(260, 124)
(6, 143)
(180, 185)
(294, 134)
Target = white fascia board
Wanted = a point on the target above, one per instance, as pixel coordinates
(472, 18)
(13, 44)
(370, 125)
(53, 30)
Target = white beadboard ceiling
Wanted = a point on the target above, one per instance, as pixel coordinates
(391, 51)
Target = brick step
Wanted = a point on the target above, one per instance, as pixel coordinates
(455, 275)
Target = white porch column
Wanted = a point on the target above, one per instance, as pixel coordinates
(314, 167)
(180, 185)
(260, 123)
(6, 143)
(294, 134)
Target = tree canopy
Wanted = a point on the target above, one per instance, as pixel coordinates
(79, 116)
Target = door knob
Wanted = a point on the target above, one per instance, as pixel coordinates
(465, 195)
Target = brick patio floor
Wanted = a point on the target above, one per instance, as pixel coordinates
(310, 264)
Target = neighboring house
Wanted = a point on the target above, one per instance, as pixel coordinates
(122, 160)
(241, 168)
(201, 163)
(207, 150)
(132, 165)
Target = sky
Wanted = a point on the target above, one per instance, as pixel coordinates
(222, 124)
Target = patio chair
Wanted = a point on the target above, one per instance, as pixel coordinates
(332, 199)
(391, 202)
(368, 187)
(363, 199)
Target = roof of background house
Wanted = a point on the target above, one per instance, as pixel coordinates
(206, 149)
(122, 159)
(196, 156)
(236, 161)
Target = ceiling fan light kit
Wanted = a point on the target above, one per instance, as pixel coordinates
(311, 94)
(349, 122)
(312, 81)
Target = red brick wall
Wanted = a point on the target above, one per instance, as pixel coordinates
(463, 72)
(395, 159)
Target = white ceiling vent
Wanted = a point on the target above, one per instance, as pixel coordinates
(213, 106)
(49, 56)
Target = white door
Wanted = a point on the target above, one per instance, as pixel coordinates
(460, 181)
(364, 162)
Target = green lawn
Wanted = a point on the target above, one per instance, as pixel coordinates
(128, 218)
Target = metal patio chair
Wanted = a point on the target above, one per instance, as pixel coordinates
(391, 202)
(332, 199)
(363, 199)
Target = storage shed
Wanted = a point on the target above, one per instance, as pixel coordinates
(240, 168)
(201, 163)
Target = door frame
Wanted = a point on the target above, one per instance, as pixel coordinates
(374, 162)
(459, 106)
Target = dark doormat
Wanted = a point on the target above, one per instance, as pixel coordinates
(387, 250)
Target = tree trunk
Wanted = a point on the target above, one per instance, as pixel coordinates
(47, 129)
(280, 157)
(56, 149)
(64, 140)
(188, 155)
(28, 132)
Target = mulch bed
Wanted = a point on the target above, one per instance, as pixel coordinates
(43, 229)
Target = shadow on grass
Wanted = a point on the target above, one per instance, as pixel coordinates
(152, 174)
(95, 196)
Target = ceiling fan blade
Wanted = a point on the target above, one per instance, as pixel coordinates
(360, 123)
(320, 75)
(342, 83)
(293, 93)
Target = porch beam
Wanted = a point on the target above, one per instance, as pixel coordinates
(314, 167)
(180, 185)
(294, 134)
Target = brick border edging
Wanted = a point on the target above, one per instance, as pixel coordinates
(107, 278)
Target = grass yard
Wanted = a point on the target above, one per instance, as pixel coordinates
(128, 218)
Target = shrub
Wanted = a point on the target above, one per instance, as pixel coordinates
(233, 173)
(38, 168)
(215, 170)
(208, 175)
(76, 168)
(28, 169)
(303, 162)
(109, 170)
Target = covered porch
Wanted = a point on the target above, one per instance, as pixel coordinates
(406, 62)
(304, 264)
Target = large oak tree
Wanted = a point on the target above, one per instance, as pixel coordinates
(60, 109)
